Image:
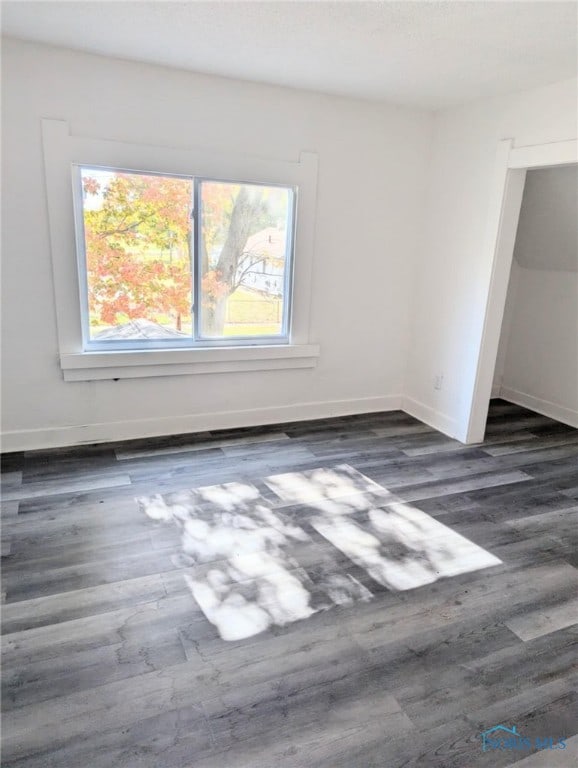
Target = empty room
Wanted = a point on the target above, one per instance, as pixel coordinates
(289, 384)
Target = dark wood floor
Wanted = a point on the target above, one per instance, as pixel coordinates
(108, 659)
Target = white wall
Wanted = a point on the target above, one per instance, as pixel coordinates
(452, 275)
(541, 361)
(547, 236)
(537, 362)
(372, 168)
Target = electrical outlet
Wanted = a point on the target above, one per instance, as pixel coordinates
(438, 381)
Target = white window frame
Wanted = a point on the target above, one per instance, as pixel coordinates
(63, 152)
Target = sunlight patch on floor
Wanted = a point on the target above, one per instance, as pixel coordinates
(251, 564)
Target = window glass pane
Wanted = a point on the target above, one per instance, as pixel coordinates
(138, 255)
(245, 252)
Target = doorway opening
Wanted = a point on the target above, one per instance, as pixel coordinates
(532, 215)
(537, 360)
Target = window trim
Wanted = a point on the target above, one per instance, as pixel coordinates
(88, 366)
(63, 151)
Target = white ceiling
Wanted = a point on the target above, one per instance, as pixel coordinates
(427, 54)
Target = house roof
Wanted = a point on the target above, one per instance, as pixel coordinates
(138, 329)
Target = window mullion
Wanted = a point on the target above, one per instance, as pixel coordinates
(195, 269)
(192, 239)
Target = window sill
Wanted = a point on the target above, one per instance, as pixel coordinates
(131, 364)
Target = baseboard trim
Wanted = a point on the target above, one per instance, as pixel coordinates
(495, 391)
(430, 416)
(56, 437)
(538, 404)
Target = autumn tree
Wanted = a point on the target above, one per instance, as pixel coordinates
(137, 237)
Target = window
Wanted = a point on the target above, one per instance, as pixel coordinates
(180, 261)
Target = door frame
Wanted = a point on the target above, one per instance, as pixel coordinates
(510, 169)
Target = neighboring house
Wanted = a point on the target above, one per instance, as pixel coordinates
(268, 248)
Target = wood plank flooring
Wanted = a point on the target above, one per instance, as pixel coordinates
(109, 660)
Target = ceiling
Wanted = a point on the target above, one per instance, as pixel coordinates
(425, 54)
